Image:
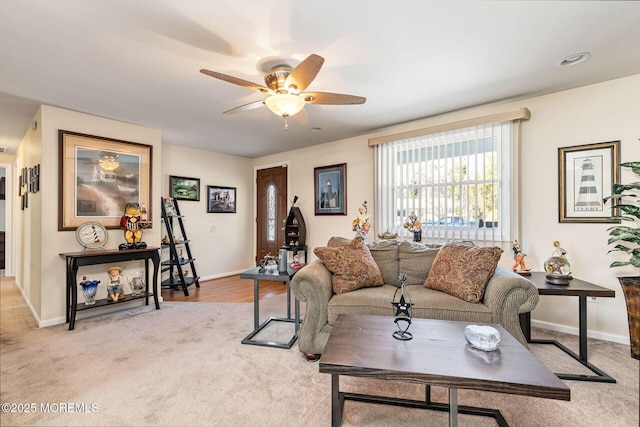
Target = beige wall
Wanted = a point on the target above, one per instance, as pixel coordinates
(224, 243)
(598, 113)
(221, 243)
(40, 270)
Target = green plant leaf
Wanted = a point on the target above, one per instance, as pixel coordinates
(618, 264)
(635, 166)
(628, 211)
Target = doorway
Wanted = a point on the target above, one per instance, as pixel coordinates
(271, 210)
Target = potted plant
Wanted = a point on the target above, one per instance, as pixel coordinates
(626, 198)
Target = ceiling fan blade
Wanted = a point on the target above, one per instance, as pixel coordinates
(235, 81)
(332, 98)
(304, 73)
(245, 107)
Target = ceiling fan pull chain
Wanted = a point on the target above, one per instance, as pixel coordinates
(286, 124)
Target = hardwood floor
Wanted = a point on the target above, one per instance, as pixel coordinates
(225, 289)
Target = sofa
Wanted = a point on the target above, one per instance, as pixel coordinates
(344, 280)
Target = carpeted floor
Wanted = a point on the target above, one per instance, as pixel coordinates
(183, 365)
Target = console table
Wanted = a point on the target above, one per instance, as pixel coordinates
(79, 259)
(582, 290)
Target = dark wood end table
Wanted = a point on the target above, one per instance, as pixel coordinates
(438, 354)
(582, 290)
(257, 275)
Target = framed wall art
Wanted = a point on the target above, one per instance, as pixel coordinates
(330, 183)
(587, 174)
(221, 199)
(98, 177)
(183, 188)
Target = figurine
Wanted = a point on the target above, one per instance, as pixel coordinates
(361, 224)
(559, 251)
(115, 290)
(130, 223)
(136, 282)
(518, 256)
(413, 225)
(557, 266)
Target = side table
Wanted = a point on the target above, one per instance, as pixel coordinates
(582, 290)
(257, 275)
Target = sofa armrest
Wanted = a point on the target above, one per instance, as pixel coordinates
(508, 295)
(312, 285)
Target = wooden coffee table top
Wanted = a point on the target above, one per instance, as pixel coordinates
(438, 354)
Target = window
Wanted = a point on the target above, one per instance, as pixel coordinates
(271, 213)
(457, 182)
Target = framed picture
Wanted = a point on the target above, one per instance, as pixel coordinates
(98, 177)
(184, 188)
(330, 184)
(587, 175)
(221, 199)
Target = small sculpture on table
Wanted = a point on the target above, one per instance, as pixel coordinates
(518, 256)
(557, 267)
(414, 226)
(402, 310)
(137, 283)
(269, 263)
(132, 225)
(559, 251)
(115, 290)
(361, 224)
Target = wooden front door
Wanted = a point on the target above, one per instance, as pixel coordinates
(271, 185)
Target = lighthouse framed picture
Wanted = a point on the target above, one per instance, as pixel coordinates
(586, 176)
(330, 183)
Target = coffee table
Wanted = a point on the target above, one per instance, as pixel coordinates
(438, 354)
(258, 274)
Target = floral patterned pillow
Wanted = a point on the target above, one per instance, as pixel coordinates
(463, 271)
(352, 266)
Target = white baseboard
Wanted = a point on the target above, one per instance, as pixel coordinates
(227, 274)
(30, 307)
(574, 331)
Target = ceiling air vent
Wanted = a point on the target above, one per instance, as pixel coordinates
(3, 149)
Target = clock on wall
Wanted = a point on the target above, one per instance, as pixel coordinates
(92, 235)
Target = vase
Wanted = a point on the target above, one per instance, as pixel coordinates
(89, 289)
(631, 290)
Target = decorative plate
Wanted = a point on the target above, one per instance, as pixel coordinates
(92, 235)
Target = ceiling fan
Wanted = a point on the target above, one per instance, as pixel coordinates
(285, 86)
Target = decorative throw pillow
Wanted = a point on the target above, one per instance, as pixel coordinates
(463, 271)
(352, 266)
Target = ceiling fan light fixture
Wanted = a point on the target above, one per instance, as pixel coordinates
(284, 104)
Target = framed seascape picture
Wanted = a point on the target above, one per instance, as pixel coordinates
(183, 188)
(221, 199)
(98, 177)
(330, 184)
(587, 174)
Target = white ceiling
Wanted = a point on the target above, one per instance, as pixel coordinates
(138, 61)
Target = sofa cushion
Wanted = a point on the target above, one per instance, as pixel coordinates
(385, 254)
(338, 241)
(352, 266)
(463, 271)
(427, 304)
(415, 260)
